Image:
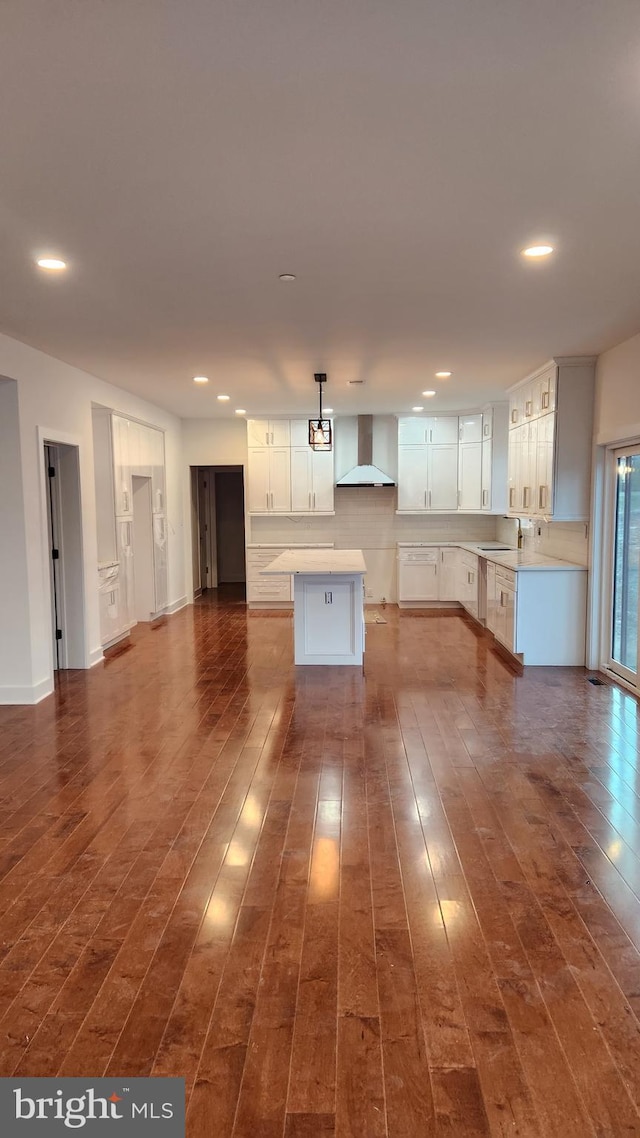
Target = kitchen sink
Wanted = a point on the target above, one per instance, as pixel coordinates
(496, 548)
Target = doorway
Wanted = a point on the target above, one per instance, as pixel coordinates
(143, 576)
(219, 527)
(625, 573)
(64, 546)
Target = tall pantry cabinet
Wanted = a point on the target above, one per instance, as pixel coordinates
(123, 450)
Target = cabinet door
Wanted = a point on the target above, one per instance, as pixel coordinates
(258, 432)
(448, 575)
(418, 580)
(544, 467)
(258, 480)
(491, 597)
(487, 424)
(155, 444)
(470, 476)
(505, 615)
(301, 480)
(322, 479)
(442, 429)
(124, 551)
(412, 431)
(487, 458)
(121, 465)
(442, 477)
(160, 561)
(516, 402)
(299, 429)
(529, 468)
(280, 479)
(470, 428)
(412, 478)
(280, 434)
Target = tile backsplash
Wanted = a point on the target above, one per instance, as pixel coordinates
(366, 519)
(567, 540)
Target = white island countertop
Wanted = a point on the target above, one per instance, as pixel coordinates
(323, 561)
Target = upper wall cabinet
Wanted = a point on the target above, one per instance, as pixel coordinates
(269, 481)
(290, 477)
(550, 441)
(449, 462)
(268, 433)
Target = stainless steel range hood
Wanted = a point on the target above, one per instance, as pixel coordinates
(365, 473)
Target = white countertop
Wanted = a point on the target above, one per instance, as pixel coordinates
(318, 560)
(519, 560)
(290, 545)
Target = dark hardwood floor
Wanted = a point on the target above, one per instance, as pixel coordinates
(403, 903)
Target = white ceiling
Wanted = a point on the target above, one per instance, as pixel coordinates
(180, 154)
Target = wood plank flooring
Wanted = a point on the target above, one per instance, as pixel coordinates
(390, 905)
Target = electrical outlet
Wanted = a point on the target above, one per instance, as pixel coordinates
(369, 592)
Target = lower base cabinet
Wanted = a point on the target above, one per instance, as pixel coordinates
(539, 615)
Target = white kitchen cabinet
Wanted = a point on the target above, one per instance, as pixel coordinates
(126, 579)
(539, 615)
(502, 605)
(412, 477)
(269, 480)
(120, 429)
(155, 444)
(448, 574)
(467, 472)
(312, 480)
(428, 477)
(442, 429)
(268, 433)
(550, 441)
(470, 428)
(160, 562)
(109, 603)
(418, 575)
(486, 480)
(442, 477)
(468, 576)
(470, 475)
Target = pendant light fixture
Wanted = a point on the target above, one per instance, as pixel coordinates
(320, 429)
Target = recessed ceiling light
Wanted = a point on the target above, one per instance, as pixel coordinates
(417, 408)
(223, 398)
(537, 251)
(287, 277)
(240, 411)
(53, 264)
(201, 379)
(443, 374)
(428, 394)
(328, 410)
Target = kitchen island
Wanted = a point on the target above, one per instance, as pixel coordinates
(328, 603)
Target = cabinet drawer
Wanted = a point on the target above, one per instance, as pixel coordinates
(419, 555)
(506, 577)
(276, 589)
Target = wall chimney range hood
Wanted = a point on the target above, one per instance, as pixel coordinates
(365, 473)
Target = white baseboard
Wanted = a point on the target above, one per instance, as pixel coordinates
(96, 656)
(175, 606)
(26, 695)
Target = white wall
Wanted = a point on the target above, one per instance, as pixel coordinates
(617, 405)
(54, 402)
